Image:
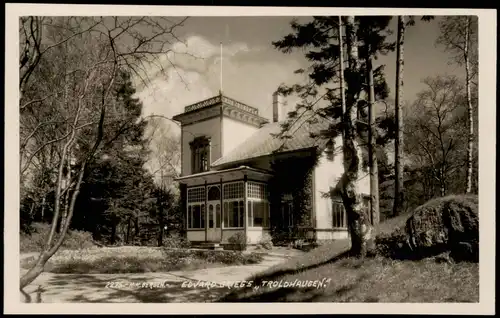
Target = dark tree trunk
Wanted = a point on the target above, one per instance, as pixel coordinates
(372, 152)
(160, 220)
(129, 225)
(113, 234)
(183, 207)
(136, 225)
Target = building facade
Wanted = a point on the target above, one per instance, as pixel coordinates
(239, 178)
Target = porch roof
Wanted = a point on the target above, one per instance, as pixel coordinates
(226, 175)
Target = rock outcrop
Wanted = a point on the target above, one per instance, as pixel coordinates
(446, 224)
(443, 225)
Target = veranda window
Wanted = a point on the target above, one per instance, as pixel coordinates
(196, 208)
(338, 214)
(234, 205)
(258, 205)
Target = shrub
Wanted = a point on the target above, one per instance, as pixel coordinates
(140, 260)
(228, 257)
(298, 243)
(35, 241)
(78, 240)
(266, 242)
(392, 245)
(252, 258)
(280, 236)
(238, 240)
(176, 241)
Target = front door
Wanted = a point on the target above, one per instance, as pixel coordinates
(287, 214)
(214, 221)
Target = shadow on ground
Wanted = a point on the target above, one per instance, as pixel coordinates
(91, 289)
(173, 293)
(308, 294)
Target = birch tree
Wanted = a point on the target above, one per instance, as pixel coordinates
(398, 143)
(459, 37)
(70, 116)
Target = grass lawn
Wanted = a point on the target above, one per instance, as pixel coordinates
(132, 259)
(371, 280)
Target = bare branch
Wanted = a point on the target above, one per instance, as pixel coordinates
(28, 161)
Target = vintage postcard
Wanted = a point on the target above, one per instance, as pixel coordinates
(201, 159)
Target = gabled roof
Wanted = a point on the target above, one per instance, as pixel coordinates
(265, 142)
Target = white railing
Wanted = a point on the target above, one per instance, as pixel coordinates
(221, 99)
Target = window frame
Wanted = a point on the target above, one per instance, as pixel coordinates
(240, 201)
(200, 154)
(258, 192)
(339, 220)
(199, 201)
(365, 200)
(266, 217)
(287, 203)
(190, 217)
(226, 212)
(211, 191)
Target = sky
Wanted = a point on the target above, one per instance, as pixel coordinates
(252, 68)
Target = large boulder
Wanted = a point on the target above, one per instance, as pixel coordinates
(448, 224)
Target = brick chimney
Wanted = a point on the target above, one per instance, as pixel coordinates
(278, 107)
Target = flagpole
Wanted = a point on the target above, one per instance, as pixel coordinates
(220, 90)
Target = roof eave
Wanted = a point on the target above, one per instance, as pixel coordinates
(211, 172)
(240, 161)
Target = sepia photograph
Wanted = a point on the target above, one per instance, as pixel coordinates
(192, 155)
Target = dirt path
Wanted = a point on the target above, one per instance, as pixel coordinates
(142, 287)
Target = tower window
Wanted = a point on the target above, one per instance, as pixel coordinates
(200, 151)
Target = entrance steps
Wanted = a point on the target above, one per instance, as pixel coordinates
(208, 246)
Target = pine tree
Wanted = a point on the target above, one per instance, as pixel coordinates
(320, 38)
(399, 142)
(118, 184)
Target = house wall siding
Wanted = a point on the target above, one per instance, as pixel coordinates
(331, 235)
(196, 236)
(254, 235)
(210, 128)
(234, 133)
(326, 174)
